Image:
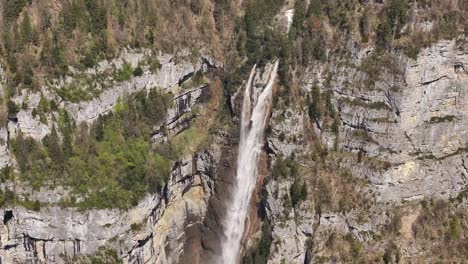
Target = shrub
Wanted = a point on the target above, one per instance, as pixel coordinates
(314, 110)
(297, 192)
(6, 197)
(137, 71)
(24, 149)
(125, 73)
(12, 8)
(284, 168)
(136, 226)
(154, 64)
(13, 109)
(110, 164)
(455, 227)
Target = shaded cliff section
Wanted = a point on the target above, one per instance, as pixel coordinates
(203, 239)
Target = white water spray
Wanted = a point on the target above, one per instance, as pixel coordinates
(253, 124)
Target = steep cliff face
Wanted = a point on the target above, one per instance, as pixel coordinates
(365, 158)
(169, 75)
(404, 135)
(413, 118)
(152, 232)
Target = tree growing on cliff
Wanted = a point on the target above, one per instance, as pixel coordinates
(297, 192)
(315, 104)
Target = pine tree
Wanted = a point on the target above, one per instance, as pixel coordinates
(314, 106)
(26, 29)
(52, 144)
(99, 128)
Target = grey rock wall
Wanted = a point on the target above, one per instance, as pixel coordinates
(414, 120)
(55, 233)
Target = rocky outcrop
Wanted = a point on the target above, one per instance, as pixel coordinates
(4, 153)
(168, 78)
(152, 232)
(169, 75)
(410, 122)
(291, 228)
(178, 119)
(414, 118)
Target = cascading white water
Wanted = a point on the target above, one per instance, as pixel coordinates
(253, 124)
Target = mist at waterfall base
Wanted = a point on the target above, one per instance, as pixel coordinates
(252, 128)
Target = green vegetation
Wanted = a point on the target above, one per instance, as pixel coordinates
(9, 198)
(297, 192)
(391, 253)
(262, 43)
(257, 41)
(345, 248)
(285, 168)
(437, 119)
(288, 168)
(103, 256)
(13, 108)
(379, 65)
(306, 32)
(335, 188)
(125, 73)
(395, 16)
(136, 226)
(315, 104)
(110, 163)
(443, 226)
(39, 42)
(320, 108)
(13, 8)
(455, 227)
(85, 87)
(197, 80)
(138, 71)
(361, 103)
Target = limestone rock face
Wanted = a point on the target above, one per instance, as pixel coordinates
(169, 75)
(167, 78)
(416, 120)
(4, 153)
(291, 228)
(178, 117)
(413, 119)
(152, 232)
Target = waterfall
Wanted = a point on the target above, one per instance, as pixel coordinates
(252, 129)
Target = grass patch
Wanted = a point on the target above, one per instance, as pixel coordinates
(363, 136)
(437, 119)
(103, 256)
(361, 103)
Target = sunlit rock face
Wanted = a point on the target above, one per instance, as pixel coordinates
(152, 232)
(415, 121)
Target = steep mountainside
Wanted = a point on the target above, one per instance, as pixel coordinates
(120, 128)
